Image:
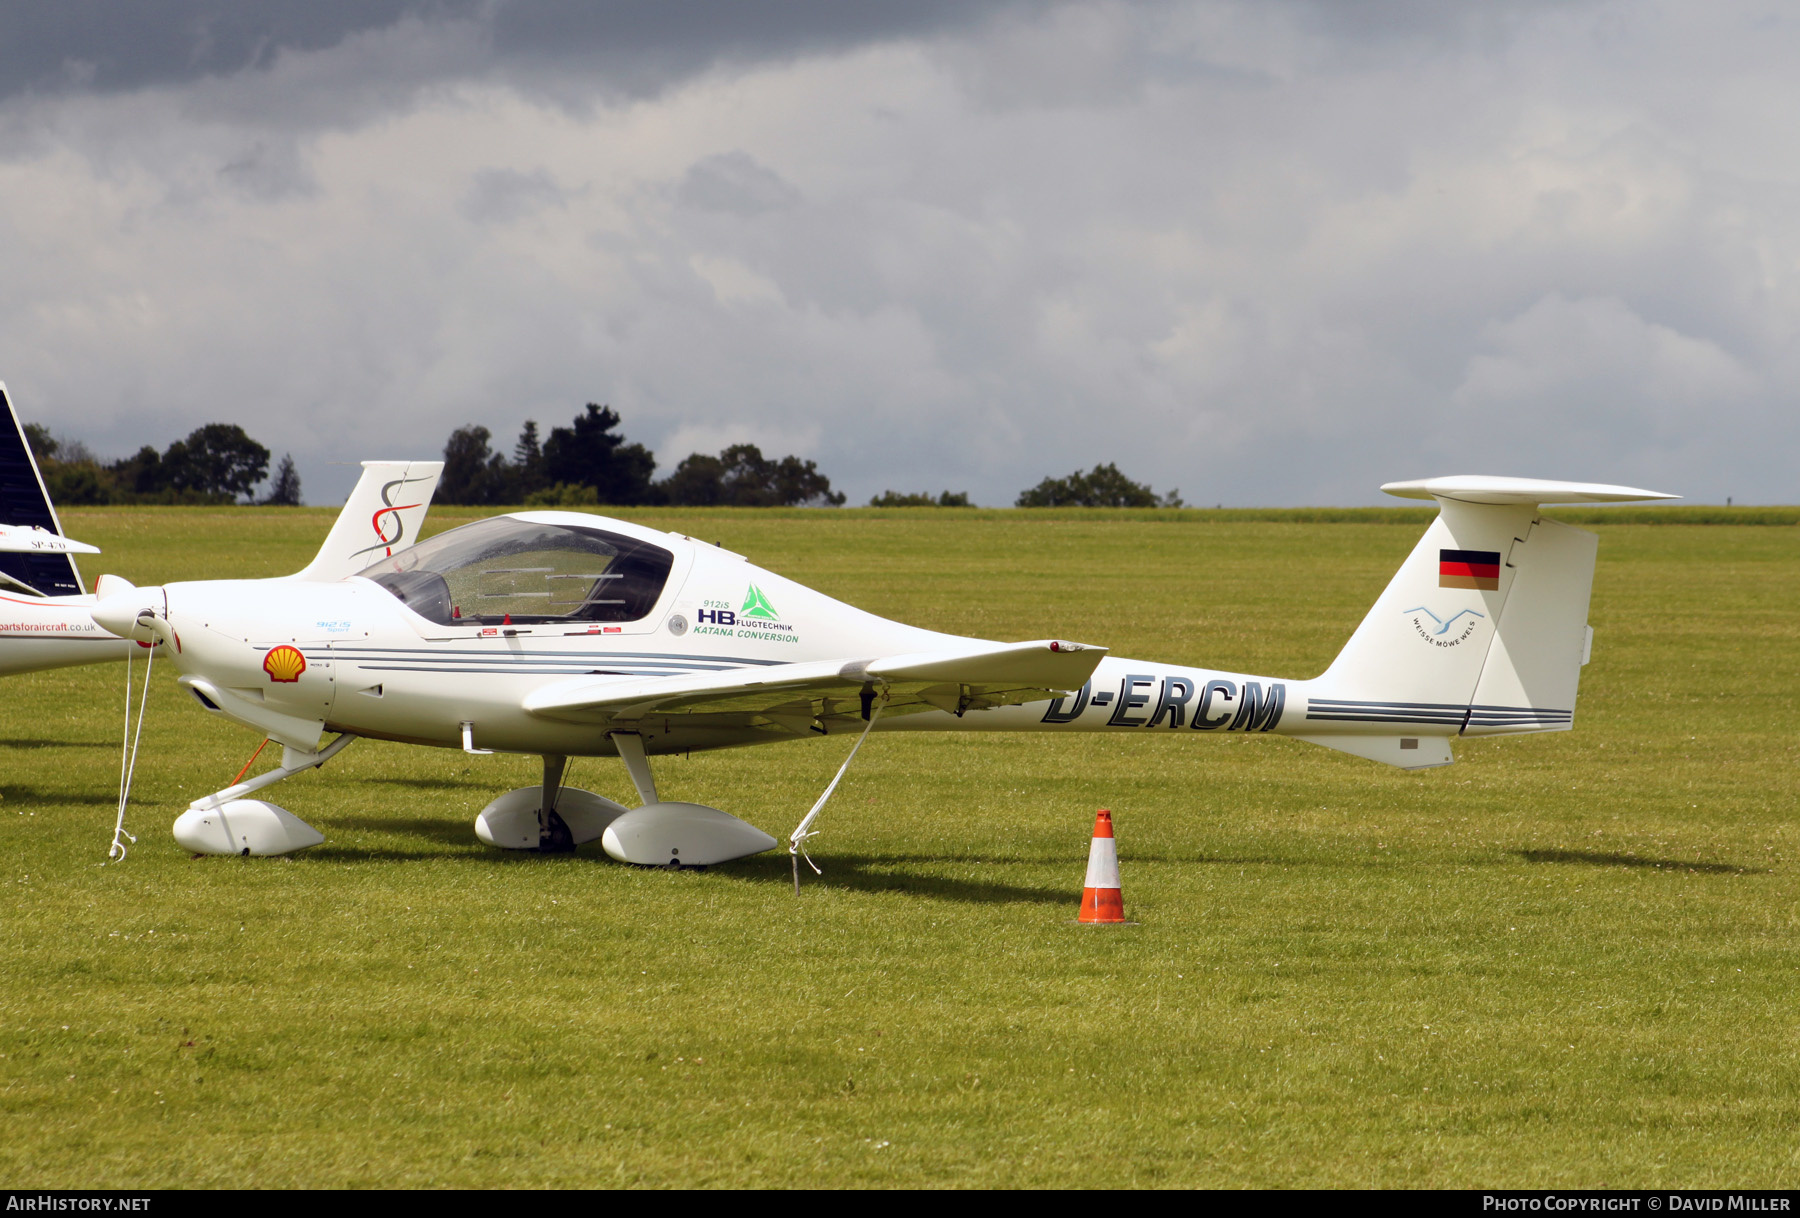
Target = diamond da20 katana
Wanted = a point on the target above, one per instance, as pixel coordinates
(567, 634)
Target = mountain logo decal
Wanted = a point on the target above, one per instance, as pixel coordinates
(757, 605)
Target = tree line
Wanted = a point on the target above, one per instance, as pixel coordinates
(587, 463)
(1102, 486)
(590, 462)
(215, 464)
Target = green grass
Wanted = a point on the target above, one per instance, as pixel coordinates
(1568, 960)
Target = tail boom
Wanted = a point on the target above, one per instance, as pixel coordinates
(1482, 632)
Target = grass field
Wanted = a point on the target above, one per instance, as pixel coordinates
(1568, 960)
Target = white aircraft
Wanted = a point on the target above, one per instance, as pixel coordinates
(564, 634)
(46, 620)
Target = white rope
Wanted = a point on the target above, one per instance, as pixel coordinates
(117, 851)
(128, 761)
(804, 830)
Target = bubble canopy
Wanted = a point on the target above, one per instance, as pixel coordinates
(486, 572)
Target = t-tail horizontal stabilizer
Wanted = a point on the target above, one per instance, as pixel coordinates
(1482, 632)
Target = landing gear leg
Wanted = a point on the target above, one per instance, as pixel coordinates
(553, 834)
(227, 823)
(631, 751)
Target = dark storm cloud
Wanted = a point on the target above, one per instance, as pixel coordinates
(109, 46)
(639, 45)
(1266, 251)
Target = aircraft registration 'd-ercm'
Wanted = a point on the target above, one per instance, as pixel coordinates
(570, 634)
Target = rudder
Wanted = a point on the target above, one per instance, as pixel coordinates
(1417, 657)
(1483, 630)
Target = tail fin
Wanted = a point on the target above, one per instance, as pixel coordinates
(45, 568)
(382, 516)
(1484, 629)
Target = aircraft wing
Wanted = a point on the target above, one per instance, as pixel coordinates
(801, 696)
(30, 539)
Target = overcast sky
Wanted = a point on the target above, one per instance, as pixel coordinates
(1268, 253)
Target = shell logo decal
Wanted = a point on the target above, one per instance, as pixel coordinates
(284, 663)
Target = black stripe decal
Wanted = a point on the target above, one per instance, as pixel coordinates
(1346, 710)
(518, 672)
(489, 652)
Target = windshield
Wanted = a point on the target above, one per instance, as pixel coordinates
(503, 568)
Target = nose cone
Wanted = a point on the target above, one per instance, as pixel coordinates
(118, 613)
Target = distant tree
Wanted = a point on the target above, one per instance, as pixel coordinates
(217, 463)
(563, 494)
(78, 483)
(922, 499)
(43, 445)
(589, 463)
(473, 473)
(699, 481)
(742, 477)
(215, 460)
(528, 463)
(1102, 486)
(752, 481)
(140, 474)
(590, 453)
(71, 475)
(284, 488)
(74, 452)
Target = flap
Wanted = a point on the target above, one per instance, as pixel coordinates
(974, 679)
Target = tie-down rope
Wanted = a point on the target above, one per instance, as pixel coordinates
(804, 830)
(128, 751)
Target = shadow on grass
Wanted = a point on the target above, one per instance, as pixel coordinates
(449, 832)
(428, 784)
(358, 854)
(27, 742)
(459, 835)
(1592, 858)
(469, 851)
(95, 799)
(870, 873)
(858, 873)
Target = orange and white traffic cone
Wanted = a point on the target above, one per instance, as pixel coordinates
(1101, 899)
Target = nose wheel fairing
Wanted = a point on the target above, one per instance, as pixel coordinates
(252, 827)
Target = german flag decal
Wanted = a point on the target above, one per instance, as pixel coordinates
(1479, 569)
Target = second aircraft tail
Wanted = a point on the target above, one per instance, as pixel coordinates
(382, 517)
